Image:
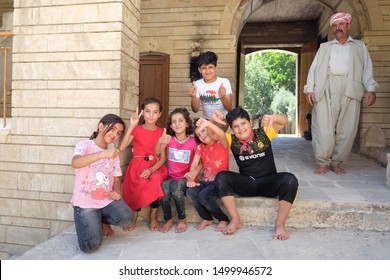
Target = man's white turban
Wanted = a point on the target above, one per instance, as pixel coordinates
(343, 17)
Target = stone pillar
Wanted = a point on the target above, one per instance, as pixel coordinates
(388, 170)
(73, 62)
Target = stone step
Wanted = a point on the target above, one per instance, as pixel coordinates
(259, 211)
(360, 199)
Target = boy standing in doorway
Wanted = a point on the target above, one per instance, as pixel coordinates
(213, 92)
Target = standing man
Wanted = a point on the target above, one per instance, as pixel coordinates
(341, 71)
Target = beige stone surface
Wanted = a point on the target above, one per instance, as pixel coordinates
(78, 60)
(26, 236)
(374, 137)
(388, 169)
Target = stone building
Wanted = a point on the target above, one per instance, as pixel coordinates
(73, 61)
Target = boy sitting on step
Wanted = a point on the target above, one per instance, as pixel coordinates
(258, 176)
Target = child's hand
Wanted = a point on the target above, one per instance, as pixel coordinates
(146, 173)
(165, 138)
(192, 184)
(135, 117)
(190, 176)
(110, 152)
(192, 90)
(115, 196)
(202, 123)
(221, 91)
(218, 117)
(267, 121)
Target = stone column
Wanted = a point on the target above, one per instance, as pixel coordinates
(73, 62)
(388, 170)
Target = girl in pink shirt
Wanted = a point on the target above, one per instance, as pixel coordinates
(96, 196)
(180, 148)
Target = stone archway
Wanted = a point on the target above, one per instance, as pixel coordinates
(288, 26)
(236, 15)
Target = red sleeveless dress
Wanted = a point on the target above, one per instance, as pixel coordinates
(139, 192)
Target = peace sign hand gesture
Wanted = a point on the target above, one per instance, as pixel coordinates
(135, 117)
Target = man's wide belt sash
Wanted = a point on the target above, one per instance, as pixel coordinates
(338, 74)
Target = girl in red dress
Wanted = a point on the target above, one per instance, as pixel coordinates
(146, 171)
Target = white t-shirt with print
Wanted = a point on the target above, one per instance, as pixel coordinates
(208, 94)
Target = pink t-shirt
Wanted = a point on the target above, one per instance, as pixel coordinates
(215, 158)
(180, 157)
(93, 183)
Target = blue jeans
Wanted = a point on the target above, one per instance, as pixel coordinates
(175, 189)
(204, 199)
(88, 222)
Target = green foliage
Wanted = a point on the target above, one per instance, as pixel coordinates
(270, 79)
(258, 89)
(284, 103)
(281, 68)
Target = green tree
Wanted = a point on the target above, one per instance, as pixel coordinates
(281, 68)
(284, 103)
(270, 83)
(257, 86)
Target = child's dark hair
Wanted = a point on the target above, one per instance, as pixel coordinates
(110, 120)
(207, 58)
(197, 140)
(151, 100)
(186, 115)
(236, 113)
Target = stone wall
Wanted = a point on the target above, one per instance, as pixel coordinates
(379, 113)
(173, 27)
(73, 62)
(77, 60)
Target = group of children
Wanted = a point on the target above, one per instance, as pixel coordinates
(187, 158)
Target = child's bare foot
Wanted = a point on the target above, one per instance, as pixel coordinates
(337, 169)
(154, 224)
(232, 227)
(280, 233)
(221, 225)
(182, 226)
(321, 169)
(107, 231)
(131, 227)
(203, 224)
(167, 226)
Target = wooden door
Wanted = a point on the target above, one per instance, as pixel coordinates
(308, 52)
(154, 82)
